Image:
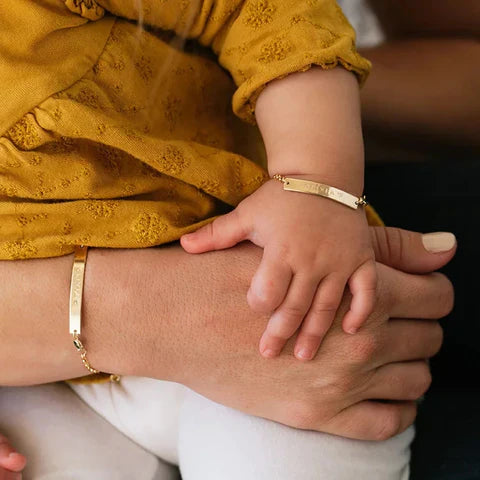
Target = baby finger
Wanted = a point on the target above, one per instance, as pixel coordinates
(289, 316)
(320, 317)
(363, 286)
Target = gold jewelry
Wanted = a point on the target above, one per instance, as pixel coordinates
(76, 297)
(322, 190)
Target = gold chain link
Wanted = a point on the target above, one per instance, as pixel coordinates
(83, 353)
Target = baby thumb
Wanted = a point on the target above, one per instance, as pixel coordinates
(224, 232)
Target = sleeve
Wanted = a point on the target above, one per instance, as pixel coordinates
(258, 41)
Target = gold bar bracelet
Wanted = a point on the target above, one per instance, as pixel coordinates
(322, 190)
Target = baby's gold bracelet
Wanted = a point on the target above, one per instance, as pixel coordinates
(76, 297)
(322, 190)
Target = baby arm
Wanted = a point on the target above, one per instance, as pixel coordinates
(313, 246)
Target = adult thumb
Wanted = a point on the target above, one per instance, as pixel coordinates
(412, 252)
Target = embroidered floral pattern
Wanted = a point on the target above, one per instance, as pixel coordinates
(117, 159)
(171, 108)
(20, 249)
(87, 97)
(148, 228)
(101, 209)
(144, 67)
(275, 50)
(259, 13)
(24, 134)
(24, 220)
(172, 160)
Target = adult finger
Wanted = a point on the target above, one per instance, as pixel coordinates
(411, 251)
(399, 381)
(372, 420)
(414, 296)
(406, 340)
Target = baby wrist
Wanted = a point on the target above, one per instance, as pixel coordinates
(301, 185)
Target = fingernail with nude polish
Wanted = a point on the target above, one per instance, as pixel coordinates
(438, 242)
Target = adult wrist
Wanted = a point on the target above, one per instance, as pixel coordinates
(128, 312)
(105, 298)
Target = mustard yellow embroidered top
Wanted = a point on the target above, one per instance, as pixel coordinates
(114, 135)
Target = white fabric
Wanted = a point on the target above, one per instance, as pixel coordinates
(64, 439)
(366, 25)
(213, 442)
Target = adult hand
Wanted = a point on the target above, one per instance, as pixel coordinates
(164, 314)
(11, 462)
(207, 337)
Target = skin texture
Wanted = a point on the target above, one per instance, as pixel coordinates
(314, 136)
(197, 329)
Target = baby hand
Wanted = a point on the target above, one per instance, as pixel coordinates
(313, 247)
(11, 462)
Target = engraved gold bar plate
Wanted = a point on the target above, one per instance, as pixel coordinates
(314, 188)
(76, 289)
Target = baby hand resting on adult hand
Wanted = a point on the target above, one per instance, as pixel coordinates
(313, 247)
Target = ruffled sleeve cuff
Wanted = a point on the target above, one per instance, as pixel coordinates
(270, 39)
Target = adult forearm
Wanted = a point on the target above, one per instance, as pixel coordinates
(141, 309)
(34, 321)
(424, 17)
(36, 345)
(413, 93)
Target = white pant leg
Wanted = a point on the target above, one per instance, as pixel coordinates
(143, 409)
(218, 443)
(64, 439)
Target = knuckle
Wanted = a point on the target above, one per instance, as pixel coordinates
(294, 310)
(210, 229)
(282, 327)
(416, 385)
(264, 302)
(389, 243)
(322, 308)
(446, 296)
(365, 348)
(422, 383)
(302, 415)
(311, 336)
(388, 425)
(437, 338)
(281, 331)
